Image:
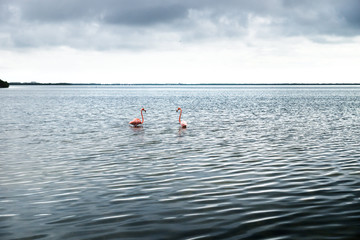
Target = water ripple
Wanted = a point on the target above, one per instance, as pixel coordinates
(266, 163)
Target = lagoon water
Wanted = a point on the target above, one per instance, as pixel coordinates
(256, 162)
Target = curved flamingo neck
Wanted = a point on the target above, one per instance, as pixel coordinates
(180, 116)
(142, 117)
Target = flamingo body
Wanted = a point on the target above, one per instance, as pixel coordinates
(183, 124)
(137, 121)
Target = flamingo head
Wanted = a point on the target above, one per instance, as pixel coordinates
(143, 109)
(178, 109)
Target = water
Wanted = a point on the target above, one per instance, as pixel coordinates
(254, 163)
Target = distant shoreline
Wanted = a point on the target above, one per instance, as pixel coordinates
(181, 84)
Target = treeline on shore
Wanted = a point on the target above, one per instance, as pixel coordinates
(37, 83)
(4, 84)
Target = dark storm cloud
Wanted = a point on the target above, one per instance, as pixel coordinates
(143, 23)
(351, 13)
(146, 16)
(122, 12)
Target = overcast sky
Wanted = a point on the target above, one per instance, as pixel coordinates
(180, 41)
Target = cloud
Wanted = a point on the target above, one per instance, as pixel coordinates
(139, 24)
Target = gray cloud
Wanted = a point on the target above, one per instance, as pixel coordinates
(145, 15)
(142, 23)
(351, 13)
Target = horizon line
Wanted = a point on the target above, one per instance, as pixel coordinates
(176, 84)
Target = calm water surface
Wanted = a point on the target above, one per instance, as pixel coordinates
(254, 163)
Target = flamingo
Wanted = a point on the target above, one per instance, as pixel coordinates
(182, 123)
(137, 121)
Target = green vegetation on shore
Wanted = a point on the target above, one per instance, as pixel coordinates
(4, 84)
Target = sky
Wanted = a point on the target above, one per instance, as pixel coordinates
(180, 41)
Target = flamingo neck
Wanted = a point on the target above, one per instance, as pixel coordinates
(142, 117)
(180, 116)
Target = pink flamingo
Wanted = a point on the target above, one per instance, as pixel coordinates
(137, 121)
(182, 123)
